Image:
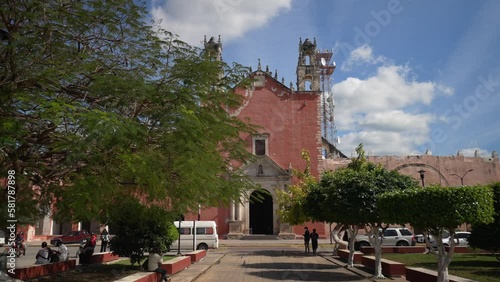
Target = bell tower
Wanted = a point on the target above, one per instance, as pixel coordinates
(308, 72)
(213, 49)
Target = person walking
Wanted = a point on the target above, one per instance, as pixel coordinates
(307, 238)
(314, 241)
(104, 240)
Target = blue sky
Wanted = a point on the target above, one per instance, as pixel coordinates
(411, 75)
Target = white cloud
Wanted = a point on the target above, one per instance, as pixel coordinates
(391, 87)
(361, 55)
(396, 120)
(385, 111)
(378, 143)
(193, 19)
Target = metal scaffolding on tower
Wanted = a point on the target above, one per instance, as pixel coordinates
(326, 69)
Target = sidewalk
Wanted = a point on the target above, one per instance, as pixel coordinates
(269, 264)
(197, 269)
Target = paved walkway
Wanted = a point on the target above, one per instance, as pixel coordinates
(268, 264)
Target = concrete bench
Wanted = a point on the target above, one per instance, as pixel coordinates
(344, 255)
(196, 256)
(103, 257)
(177, 264)
(172, 266)
(389, 267)
(418, 274)
(38, 270)
(399, 250)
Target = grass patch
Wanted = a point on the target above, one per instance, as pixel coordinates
(126, 262)
(480, 267)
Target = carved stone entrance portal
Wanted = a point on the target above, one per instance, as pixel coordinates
(254, 217)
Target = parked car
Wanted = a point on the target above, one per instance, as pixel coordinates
(421, 239)
(71, 237)
(391, 237)
(461, 239)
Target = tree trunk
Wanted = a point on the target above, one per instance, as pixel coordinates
(443, 263)
(338, 242)
(444, 258)
(331, 235)
(352, 232)
(377, 246)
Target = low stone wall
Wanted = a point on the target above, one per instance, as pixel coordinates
(389, 267)
(390, 250)
(172, 266)
(103, 257)
(464, 250)
(344, 255)
(38, 270)
(177, 264)
(196, 256)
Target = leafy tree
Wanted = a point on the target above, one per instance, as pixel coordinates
(350, 198)
(487, 236)
(96, 107)
(291, 203)
(141, 229)
(337, 198)
(436, 209)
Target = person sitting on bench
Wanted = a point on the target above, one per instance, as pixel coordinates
(155, 260)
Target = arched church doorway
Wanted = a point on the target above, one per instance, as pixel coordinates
(261, 212)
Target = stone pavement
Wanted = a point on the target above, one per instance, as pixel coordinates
(269, 263)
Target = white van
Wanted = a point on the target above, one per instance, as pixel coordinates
(205, 237)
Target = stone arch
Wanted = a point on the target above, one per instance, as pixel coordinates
(307, 59)
(308, 85)
(421, 165)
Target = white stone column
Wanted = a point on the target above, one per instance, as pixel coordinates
(231, 210)
(240, 211)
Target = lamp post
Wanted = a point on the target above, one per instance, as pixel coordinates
(181, 218)
(422, 176)
(462, 177)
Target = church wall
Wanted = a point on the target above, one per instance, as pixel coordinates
(321, 229)
(438, 169)
(218, 214)
(291, 121)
